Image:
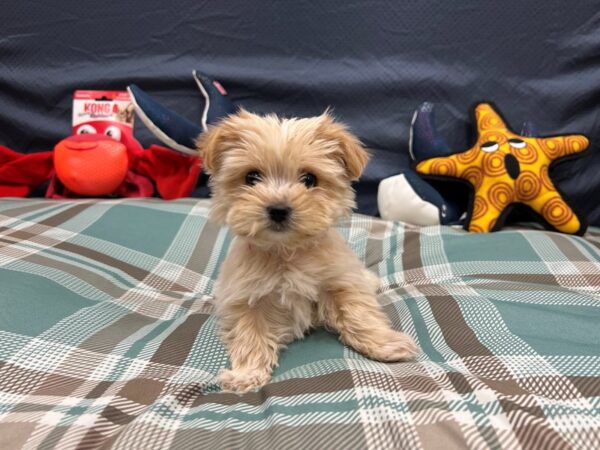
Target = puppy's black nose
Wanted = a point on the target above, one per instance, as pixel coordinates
(279, 213)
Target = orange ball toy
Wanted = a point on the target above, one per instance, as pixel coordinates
(91, 165)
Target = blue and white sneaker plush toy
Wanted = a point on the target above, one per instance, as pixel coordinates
(173, 130)
(408, 197)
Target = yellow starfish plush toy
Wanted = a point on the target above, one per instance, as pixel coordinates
(505, 168)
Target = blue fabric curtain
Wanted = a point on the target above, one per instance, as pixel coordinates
(374, 62)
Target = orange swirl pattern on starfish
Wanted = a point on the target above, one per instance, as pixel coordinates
(504, 167)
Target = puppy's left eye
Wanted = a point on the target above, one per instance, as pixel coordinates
(253, 177)
(309, 180)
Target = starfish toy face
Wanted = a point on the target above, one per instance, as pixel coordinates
(505, 168)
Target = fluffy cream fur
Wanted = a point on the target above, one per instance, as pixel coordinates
(278, 282)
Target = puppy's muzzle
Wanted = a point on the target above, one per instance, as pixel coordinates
(279, 215)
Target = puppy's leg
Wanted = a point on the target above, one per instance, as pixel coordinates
(253, 340)
(351, 309)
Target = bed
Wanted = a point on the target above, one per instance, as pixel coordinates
(108, 338)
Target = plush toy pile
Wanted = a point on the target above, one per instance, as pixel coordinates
(502, 169)
(97, 163)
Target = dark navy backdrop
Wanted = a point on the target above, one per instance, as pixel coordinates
(373, 61)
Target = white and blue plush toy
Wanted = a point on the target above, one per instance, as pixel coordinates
(170, 128)
(408, 197)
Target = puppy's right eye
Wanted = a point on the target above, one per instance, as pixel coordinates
(253, 177)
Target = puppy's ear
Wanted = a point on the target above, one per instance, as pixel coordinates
(208, 144)
(349, 148)
(218, 138)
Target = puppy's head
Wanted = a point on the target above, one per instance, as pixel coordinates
(280, 181)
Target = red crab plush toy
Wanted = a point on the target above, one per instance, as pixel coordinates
(97, 165)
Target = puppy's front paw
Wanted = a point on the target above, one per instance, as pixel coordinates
(243, 380)
(390, 346)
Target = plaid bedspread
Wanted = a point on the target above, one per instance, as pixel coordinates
(107, 339)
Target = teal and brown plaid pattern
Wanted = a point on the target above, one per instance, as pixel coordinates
(107, 338)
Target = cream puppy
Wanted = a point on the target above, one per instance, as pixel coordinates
(280, 185)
